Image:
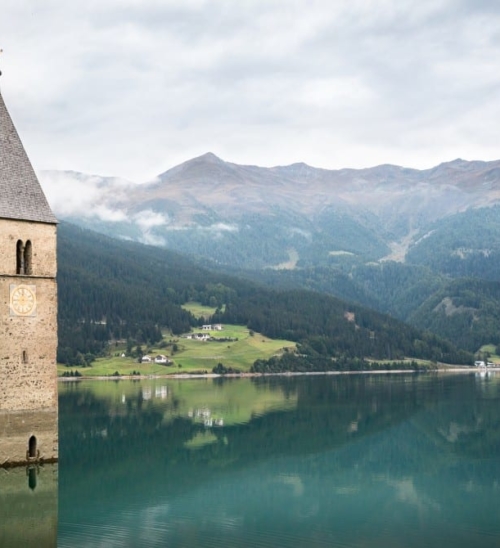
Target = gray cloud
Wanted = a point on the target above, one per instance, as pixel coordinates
(131, 88)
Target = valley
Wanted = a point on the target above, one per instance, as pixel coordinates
(390, 239)
(113, 291)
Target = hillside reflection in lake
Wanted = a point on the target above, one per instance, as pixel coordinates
(362, 460)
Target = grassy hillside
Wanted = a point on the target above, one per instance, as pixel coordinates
(192, 355)
(128, 293)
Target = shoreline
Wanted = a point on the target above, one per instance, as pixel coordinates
(177, 376)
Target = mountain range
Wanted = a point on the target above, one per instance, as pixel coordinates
(300, 215)
(402, 241)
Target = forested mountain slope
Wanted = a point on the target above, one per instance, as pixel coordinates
(121, 289)
(465, 311)
(429, 295)
(464, 245)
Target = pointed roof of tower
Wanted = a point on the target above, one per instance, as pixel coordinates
(21, 196)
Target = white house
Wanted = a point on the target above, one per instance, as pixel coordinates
(201, 336)
(210, 327)
(162, 359)
(146, 359)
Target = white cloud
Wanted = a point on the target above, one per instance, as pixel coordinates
(131, 88)
(148, 219)
(151, 239)
(73, 194)
(223, 227)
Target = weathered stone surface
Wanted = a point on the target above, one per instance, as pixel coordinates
(28, 345)
(43, 239)
(28, 309)
(16, 429)
(28, 349)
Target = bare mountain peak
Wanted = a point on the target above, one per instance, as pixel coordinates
(296, 165)
(464, 165)
(211, 189)
(196, 167)
(209, 157)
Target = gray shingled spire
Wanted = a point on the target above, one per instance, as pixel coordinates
(21, 196)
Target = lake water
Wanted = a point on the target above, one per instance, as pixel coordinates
(323, 461)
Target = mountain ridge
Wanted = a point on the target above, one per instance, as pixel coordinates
(196, 173)
(386, 237)
(212, 208)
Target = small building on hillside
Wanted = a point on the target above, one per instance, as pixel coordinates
(162, 359)
(212, 327)
(201, 336)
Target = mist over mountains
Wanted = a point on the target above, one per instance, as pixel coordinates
(398, 240)
(300, 215)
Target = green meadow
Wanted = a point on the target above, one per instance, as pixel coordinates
(491, 353)
(198, 310)
(239, 350)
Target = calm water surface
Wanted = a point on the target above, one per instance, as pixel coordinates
(326, 461)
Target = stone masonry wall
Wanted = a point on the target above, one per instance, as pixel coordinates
(16, 428)
(28, 342)
(43, 239)
(28, 347)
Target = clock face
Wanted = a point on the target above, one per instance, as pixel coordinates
(23, 300)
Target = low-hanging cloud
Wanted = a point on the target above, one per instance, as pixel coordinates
(148, 219)
(72, 194)
(222, 227)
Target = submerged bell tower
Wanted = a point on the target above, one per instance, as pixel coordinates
(28, 309)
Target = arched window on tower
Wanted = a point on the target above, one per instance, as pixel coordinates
(24, 254)
(27, 258)
(19, 257)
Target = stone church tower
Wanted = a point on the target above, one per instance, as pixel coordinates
(28, 308)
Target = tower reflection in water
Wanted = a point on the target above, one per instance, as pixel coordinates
(28, 506)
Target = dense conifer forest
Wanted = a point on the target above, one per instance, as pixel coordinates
(119, 290)
(463, 310)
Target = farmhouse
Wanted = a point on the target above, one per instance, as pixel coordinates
(212, 327)
(162, 359)
(201, 336)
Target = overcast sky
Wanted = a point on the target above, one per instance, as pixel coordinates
(131, 88)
